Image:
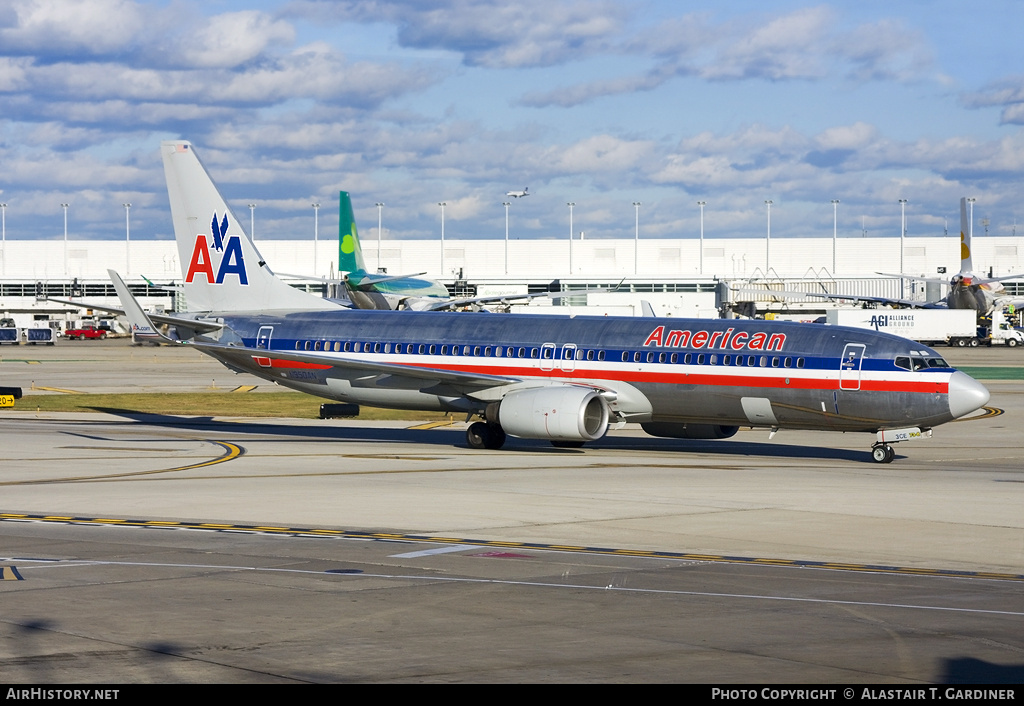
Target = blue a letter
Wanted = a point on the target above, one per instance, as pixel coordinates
(232, 261)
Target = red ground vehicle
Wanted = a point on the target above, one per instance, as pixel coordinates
(86, 332)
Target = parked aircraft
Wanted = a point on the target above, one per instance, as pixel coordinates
(378, 291)
(566, 380)
(966, 289)
(519, 194)
(381, 291)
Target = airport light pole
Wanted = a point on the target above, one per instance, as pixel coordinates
(65, 207)
(636, 239)
(768, 241)
(380, 220)
(570, 204)
(3, 230)
(506, 204)
(442, 204)
(903, 234)
(702, 204)
(252, 221)
(835, 229)
(127, 239)
(316, 233)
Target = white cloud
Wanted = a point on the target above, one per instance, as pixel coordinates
(847, 137)
(234, 38)
(599, 154)
(885, 50)
(492, 34)
(805, 45)
(71, 26)
(315, 72)
(787, 47)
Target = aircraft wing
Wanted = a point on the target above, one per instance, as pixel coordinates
(394, 373)
(793, 294)
(370, 279)
(364, 278)
(915, 278)
(432, 304)
(196, 324)
(377, 374)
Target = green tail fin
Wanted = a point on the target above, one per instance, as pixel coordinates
(350, 255)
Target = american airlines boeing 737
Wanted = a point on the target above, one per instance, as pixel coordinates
(565, 380)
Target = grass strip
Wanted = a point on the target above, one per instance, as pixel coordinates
(209, 404)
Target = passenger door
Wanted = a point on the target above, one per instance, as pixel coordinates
(850, 365)
(263, 341)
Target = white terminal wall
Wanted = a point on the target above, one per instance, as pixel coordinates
(539, 260)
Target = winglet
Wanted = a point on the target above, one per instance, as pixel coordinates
(142, 326)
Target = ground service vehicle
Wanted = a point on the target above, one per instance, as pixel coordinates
(86, 332)
(995, 330)
(953, 327)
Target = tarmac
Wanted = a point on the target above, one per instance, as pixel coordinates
(142, 548)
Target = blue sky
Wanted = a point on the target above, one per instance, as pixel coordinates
(600, 103)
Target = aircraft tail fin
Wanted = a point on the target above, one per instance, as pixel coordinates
(350, 254)
(965, 238)
(221, 267)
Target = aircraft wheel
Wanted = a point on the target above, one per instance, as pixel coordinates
(558, 444)
(495, 438)
(883, 453)
(478, 435)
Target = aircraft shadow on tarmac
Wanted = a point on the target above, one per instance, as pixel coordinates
(967, 670)
(441, 436)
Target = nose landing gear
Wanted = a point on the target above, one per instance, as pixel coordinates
(883, 453)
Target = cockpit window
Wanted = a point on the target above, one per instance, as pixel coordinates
(906, 362)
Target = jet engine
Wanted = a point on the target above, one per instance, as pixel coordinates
(562, 413)
(689, 431)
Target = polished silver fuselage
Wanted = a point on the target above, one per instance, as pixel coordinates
(706, 371)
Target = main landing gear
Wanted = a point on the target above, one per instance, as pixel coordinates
(481, 435)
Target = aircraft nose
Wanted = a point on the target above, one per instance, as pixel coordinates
(965, 394)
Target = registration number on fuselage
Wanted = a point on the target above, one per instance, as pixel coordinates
(908, 434)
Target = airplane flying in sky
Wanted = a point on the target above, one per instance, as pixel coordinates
(565, 380)
(519, 194)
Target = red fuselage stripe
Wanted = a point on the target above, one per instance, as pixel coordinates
(923, 383)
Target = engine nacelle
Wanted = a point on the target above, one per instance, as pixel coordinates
(562, 413)
(689, 431)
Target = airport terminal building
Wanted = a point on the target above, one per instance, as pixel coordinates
(678, 277)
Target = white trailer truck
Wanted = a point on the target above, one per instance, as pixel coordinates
(953, 327)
